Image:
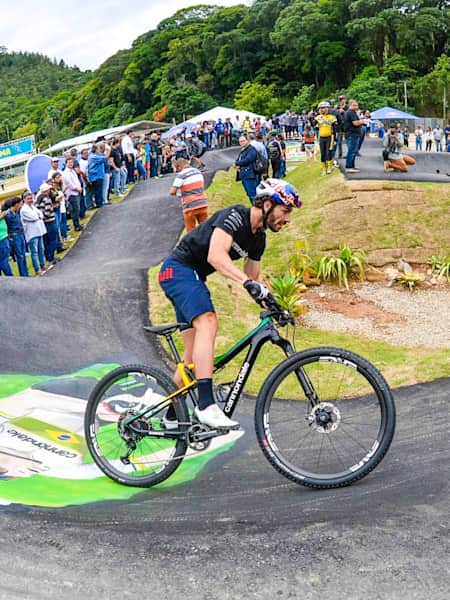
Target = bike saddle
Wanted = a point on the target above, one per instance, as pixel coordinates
(166, 329)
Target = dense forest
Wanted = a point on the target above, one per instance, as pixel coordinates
(35, 91)
(271, 56)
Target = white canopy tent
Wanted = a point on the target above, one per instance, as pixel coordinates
(221, 112)
(213, 114)
(18, 159)
(81, 141)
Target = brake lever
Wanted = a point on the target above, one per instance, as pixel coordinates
(286, 319)
(282, 316)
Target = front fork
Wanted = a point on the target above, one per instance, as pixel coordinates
(305, 382)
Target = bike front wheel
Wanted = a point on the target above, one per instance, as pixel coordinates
(325, 417)
(123, 448)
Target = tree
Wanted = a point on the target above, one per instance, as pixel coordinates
(101, 118)
(125, 113)
(440, 77)
(304, 98)
(374, 24)
(398, 71)
(397, 68)
(186, 16)
(372, 90)
(25, 130)
(187, 101)
(312, 38)
(258, 98)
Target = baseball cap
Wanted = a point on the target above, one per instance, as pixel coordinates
(44, 187)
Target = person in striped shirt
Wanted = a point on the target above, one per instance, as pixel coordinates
(190, 186)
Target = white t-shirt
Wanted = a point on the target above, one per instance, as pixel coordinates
(71, 183)
(52, 172)
(127, 145)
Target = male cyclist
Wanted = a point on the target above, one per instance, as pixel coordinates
(232, 233)
(327, 125)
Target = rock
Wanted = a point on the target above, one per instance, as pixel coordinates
(310, 281)
(391, 273)
(424, 284)
(404, 267)
(375, 276)
(383, 256)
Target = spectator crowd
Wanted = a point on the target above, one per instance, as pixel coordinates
(38, 224)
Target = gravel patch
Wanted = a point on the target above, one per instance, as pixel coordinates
(425, 317)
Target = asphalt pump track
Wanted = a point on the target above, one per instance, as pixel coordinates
(433, 167)
(231, 527)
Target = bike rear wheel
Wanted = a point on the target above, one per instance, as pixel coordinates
(123, 451)
(337, 435)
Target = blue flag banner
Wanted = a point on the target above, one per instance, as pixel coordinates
(36, 171)
(15, 147)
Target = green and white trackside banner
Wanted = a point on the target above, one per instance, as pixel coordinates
(44, 460)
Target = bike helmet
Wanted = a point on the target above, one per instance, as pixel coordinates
(324, 105)
(281, 192)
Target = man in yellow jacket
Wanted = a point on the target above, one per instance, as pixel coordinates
(327, 126)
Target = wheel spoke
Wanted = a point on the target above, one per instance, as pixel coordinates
(115, 408)
(354, 411)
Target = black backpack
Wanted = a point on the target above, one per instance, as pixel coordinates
(274, 149)
(261, 163)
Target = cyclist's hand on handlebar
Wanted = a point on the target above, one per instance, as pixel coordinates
(258, 291)
(282, 316)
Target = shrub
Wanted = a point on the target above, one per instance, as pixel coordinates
(410, 280)
(339, 268)
(440, 266)
(286, 290)
(300, 262)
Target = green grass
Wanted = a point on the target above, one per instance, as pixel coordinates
(13, 187)
(323, 198)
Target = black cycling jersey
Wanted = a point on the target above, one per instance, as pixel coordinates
(235, 220)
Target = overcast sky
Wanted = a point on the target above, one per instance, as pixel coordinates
(84, 33)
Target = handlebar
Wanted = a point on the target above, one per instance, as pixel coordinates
(282, 316)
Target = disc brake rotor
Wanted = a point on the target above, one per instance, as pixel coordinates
(324, 417)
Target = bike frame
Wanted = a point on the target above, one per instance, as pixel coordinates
(264, 332)
(255, 339)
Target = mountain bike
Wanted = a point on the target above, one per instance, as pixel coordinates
(324, 417)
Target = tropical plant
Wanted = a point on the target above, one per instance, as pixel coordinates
(440, 266)
(286, 290)
(333, 268)
(356, 260)
(340, 268)
(410, 280)
(301, 262)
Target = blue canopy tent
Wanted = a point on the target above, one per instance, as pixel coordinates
(387, 113)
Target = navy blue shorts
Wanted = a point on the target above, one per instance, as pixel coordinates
(184, 288)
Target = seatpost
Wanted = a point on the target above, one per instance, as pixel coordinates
(173, 348)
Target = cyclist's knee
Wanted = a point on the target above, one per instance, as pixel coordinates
(206, 322)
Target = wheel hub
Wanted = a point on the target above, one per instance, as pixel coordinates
(325, 417)
(134, 431)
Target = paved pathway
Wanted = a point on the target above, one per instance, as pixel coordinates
(239, 530)
(430, 166)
